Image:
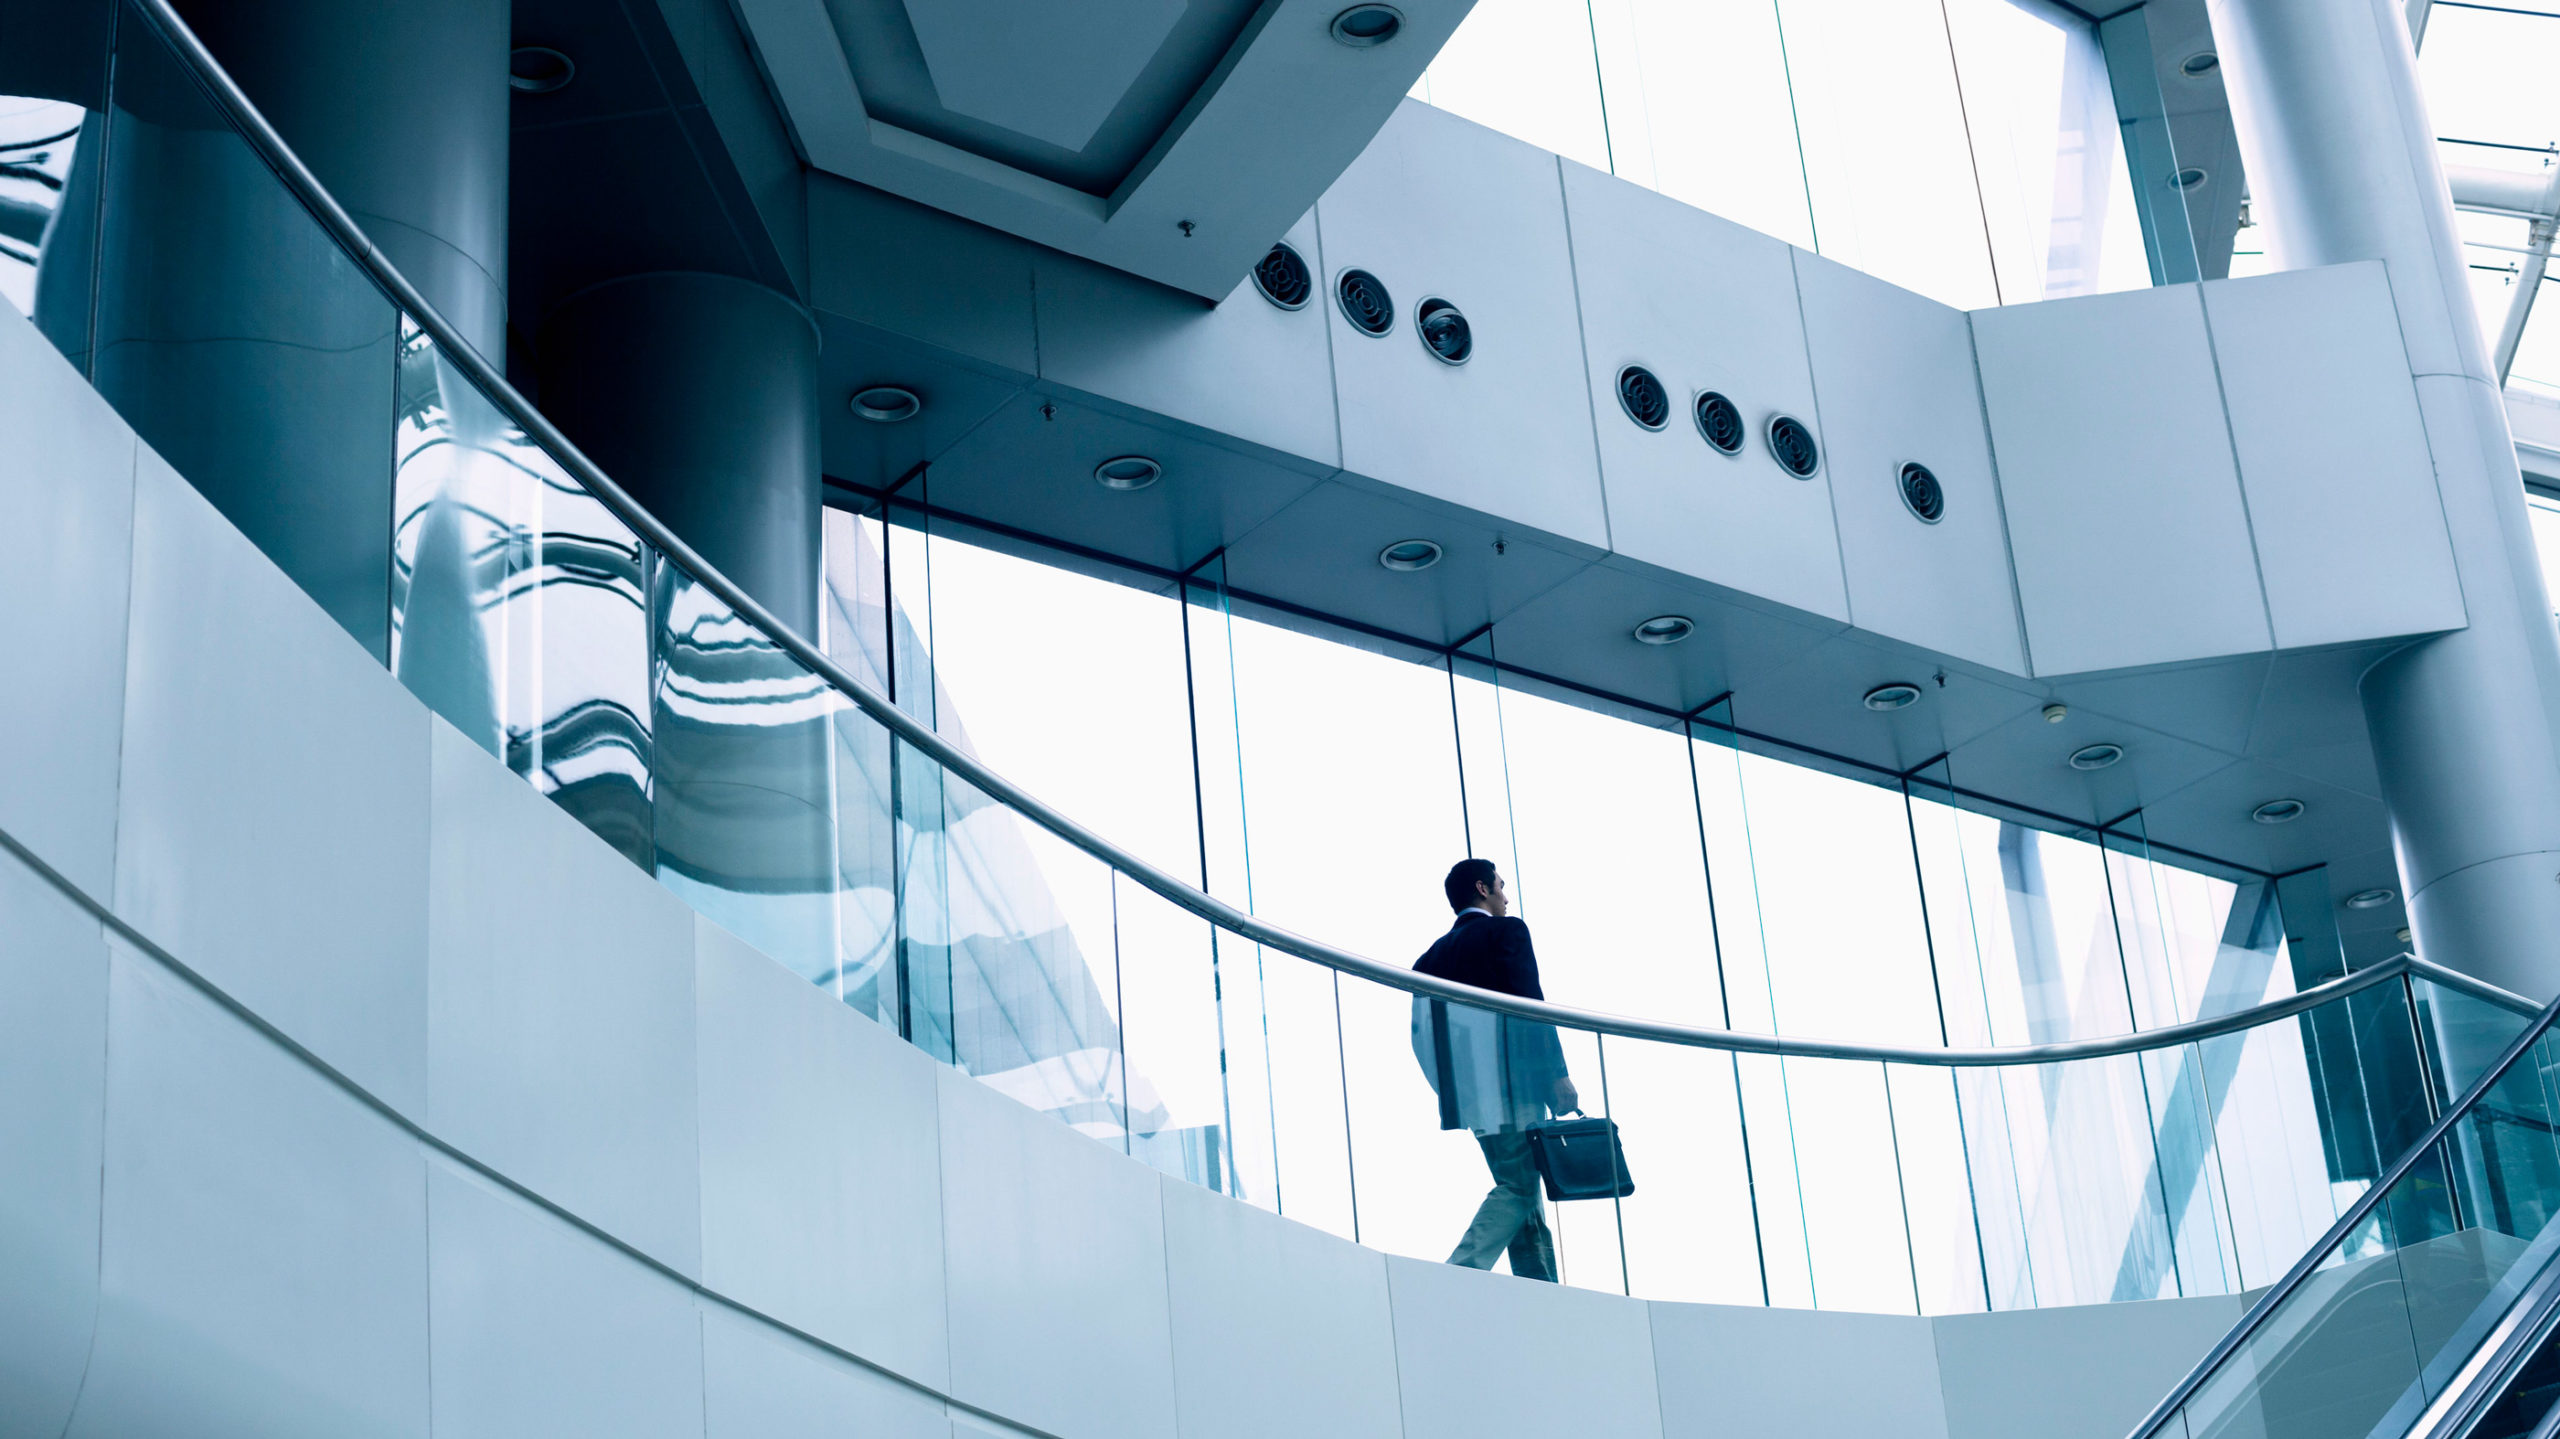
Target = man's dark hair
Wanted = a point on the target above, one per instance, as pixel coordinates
(1463, 878)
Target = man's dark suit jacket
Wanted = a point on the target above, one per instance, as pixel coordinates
(1495, 954)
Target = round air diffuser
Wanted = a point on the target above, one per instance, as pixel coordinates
(1720, 422)
(1283, 279)
(1445, 332)
(1643, 397)
(1921, 494)
(1791, 444)
(1365, 303)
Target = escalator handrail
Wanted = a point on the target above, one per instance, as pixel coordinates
(253, 126)
(2347, 1224)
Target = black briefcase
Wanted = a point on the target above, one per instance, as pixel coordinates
(1580, 1159)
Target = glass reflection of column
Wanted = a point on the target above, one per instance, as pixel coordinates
(518, 608)
(745, 802)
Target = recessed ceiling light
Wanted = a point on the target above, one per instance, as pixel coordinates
(539, 70)
(2370, 898)
(2189, 178)
(886, 404)
(1665, 630)
(2279, 811)
(2096, 756)
(1406, 556)
(2200, 64)
(1365, 27)
(1894, 696)
(2056, 714)
(2403, 935)
(1128, 472)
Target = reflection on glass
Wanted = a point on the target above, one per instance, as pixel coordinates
(2385, 1322)
(40, 144)
(744, 820)
(517, 608)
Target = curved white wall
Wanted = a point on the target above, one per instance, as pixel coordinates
(349, 1087)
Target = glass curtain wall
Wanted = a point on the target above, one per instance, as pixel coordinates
(1675, 867)
(1967, 150)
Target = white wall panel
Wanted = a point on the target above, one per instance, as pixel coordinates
(1487, 1356)
(560, 1009)
(1895, 372)
(2125, 517)
(272, 820)
(541, 1330)
(1055, 1251)
(2088, 1372)
(759, 1383)
(1705, 304)
(1728, 1371)
(1249, 1287)
(265, 1245)
(1437, 206)
(1243, 367)
(821, 1163)
(53, 1092)
(66, 553)
(2333, 458)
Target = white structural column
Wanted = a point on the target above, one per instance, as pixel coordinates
(2342, 163)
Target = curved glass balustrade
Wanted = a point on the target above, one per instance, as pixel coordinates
(1956, 1141)
(2388, 1318)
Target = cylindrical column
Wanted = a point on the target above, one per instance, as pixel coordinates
(230, 329)
(401, 108)
(699, 394)
(2342, 164)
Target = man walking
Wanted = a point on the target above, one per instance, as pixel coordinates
(1495, 1075)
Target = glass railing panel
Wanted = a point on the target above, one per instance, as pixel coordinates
(241, 342)
(519, 604)
(2267, 1138)
(1848, 1162)
(1016, 959)
(1690, 1228)
(2380, 1327)
(1182, 1117)
(743, 824)
(1949, 1265)
(1448, 1132)
(1310, 1095)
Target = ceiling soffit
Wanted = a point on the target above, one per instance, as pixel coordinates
(1173, 139)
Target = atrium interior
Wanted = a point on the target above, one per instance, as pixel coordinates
(750, 717)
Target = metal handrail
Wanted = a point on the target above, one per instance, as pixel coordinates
(227, 96)
(2338, 1233)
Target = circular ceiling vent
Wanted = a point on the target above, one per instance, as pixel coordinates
(1896, 695)
(1646, 402)
(1283, 279)
(1665, 630)
(1792, 444)
(539, 70)
(1127, 472)
(1445, 332)
(1720, 422)
(1365, 27)
(2370, 898)
(2190, 177)
(1921, 494)
(2279, 811)
(1406, 556)
(2096, 756)
(1365, 303)
(886, 404)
